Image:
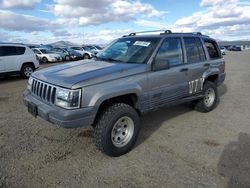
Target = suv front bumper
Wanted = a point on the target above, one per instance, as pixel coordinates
(59, 116)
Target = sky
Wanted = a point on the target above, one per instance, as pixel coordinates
(101, 21)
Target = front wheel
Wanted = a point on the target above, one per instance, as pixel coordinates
(45, 60)
(67, 58)
(210, 99)
(117, 129)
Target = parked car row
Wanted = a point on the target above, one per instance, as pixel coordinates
(49, 54)
(223, 49)
(24, 60)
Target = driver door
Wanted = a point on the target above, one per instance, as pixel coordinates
(168, 79)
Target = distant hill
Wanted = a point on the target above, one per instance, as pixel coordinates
(62, 44)
(230, 43)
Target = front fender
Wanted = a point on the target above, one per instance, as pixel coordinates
(113, 91)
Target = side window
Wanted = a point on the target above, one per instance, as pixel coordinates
(201, 49)
(170, 52)
(9, 51)
(212, 49)
(36, 51)
(20, 50)
(194, 50)
(1, 51)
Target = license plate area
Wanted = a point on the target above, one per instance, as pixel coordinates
(32, 108)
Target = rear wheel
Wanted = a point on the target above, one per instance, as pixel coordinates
(117, 129)
(210, 99)
(86, 56)
(27, 70)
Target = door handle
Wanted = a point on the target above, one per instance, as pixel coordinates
(206, 64)
(184, 70)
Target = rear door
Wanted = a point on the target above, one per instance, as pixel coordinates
(12, 57)
(168, 83)
(197, 61)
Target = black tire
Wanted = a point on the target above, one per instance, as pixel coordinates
(202, 104)
(67, 58)
(45, 60)
(104, 129)
(27, 70)
(86, 56)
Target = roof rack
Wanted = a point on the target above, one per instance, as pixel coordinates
(165, 32)
(194, 33)
(12, 43)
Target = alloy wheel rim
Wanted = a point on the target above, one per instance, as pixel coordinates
(28, 71)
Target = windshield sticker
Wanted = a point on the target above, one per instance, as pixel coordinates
(142, 43)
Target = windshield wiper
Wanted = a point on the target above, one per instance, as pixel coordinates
(109, 59)
(114, 60)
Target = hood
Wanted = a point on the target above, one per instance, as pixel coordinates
(53, 55)
(87, 72)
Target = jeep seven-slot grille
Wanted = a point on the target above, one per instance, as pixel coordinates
(44, 91)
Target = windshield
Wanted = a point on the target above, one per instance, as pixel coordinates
(76, 48)
(44, 51)
(129, 50)
(98, 47)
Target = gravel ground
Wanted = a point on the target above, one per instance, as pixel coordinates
(177, 147)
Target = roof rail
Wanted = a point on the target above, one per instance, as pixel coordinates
(192, 33)
(197, 33)
(12, 43)
(165, 32)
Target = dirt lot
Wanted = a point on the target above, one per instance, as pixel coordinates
(177, 147)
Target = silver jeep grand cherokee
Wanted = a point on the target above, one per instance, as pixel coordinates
(132, 76)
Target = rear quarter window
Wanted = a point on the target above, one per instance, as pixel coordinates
(212, 49)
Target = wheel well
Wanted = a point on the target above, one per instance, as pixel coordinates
(28, 63)
(130, 99)
(213, 78)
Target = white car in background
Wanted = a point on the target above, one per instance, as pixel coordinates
(46, 56)
(94, 49)
(223, 50)
(85, 54)
(17, 59)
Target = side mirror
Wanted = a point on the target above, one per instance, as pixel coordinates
(160, 64)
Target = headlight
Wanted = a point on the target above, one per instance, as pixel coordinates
(30, 83)
(69, 99)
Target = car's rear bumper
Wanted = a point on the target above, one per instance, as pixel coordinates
(61, 117)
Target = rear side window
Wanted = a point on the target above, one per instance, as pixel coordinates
(194, 50)
(171, 52)
(11, 50)
(212, 49)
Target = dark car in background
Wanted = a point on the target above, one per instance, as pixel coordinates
(234, 48)
(73, 55)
